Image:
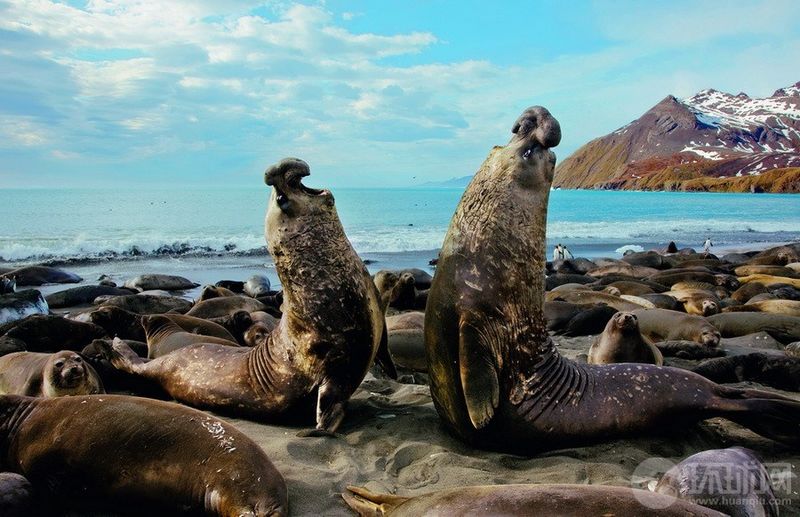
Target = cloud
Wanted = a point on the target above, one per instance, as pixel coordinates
(219, 88)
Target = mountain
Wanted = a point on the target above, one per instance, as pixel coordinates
(461, 182)
(710, 141)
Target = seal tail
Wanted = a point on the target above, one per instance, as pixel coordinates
(769, 415)
(370, 504)
(120, 355)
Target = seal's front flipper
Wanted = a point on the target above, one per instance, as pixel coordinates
(331, 402)
(478, 375)
(316, 433)
(370, 504)
(383, 357)
(120, 355)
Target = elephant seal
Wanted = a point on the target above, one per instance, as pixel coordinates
(497, 379)
(778, 256)
(783, 271)
(778, 371)
(407, 340)
(16, 496)
(510, 500)
(394, 287)
(685, 349)
(128, 452)
(214, 291)
(51, 333)
(732, 481)
(785, 329)
(666, 325)
(621, 342)
(237, 323)
(225, 306)
(257, 285)
(330, 333)
(582, 296)
(749, 290)
(16, 306)
(84, 294)
(40, 275)
(165, 336)
(772, 306)
(770, 280)
(697, 301)
(151, 282)
(148, 304)
(663, 301)
(47, 375)
(632, 288)
(233, 285)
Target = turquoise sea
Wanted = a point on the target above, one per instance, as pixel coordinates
(76, 224)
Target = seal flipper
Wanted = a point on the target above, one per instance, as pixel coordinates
(370, 504)
(478, 375)
(383, 357)
(769, 415)
(121, 356)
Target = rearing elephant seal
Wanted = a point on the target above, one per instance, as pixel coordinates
(113, 451)
(496, 377)
(327, 339)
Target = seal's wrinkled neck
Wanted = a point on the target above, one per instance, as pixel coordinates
(13, 411)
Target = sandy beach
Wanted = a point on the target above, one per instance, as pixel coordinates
(392, 441)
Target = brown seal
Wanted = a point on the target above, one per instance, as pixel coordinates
(129, 452)
(769, 280)
(556, 500)
(621, 342)
(128, 325)
(48, 375)
(697, 301)
(165, 336)
(785, 329)
(666, 325)
(214, 291)
(497, 379)
(407, 340)
(225, 306)
(51, 333)
(148, 304)
(733, 481)
(152, 282)
(327, 339)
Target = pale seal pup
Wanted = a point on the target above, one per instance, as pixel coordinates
(47, 375)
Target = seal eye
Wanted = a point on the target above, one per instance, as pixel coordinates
(59, 363)
(78, 359)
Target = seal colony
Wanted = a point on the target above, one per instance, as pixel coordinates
(497, 379)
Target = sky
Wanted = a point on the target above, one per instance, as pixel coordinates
(381, 93)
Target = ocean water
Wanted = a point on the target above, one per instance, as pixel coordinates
(82, 224)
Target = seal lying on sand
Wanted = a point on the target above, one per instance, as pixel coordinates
(667, 325)
(326, 341)
(119, 451)
(778, 371)
(621, 342)
(160, 282)
(48, 375)
(84, 294)
(50, 333)
(497, 379)
(557, 500)
(40, 275)
(733, 481)
(785, 329)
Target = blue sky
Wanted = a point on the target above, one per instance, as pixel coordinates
(370, 93)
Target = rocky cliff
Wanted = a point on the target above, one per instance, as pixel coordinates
(710, 141)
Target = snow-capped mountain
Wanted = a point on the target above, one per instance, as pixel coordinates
(684, 143)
